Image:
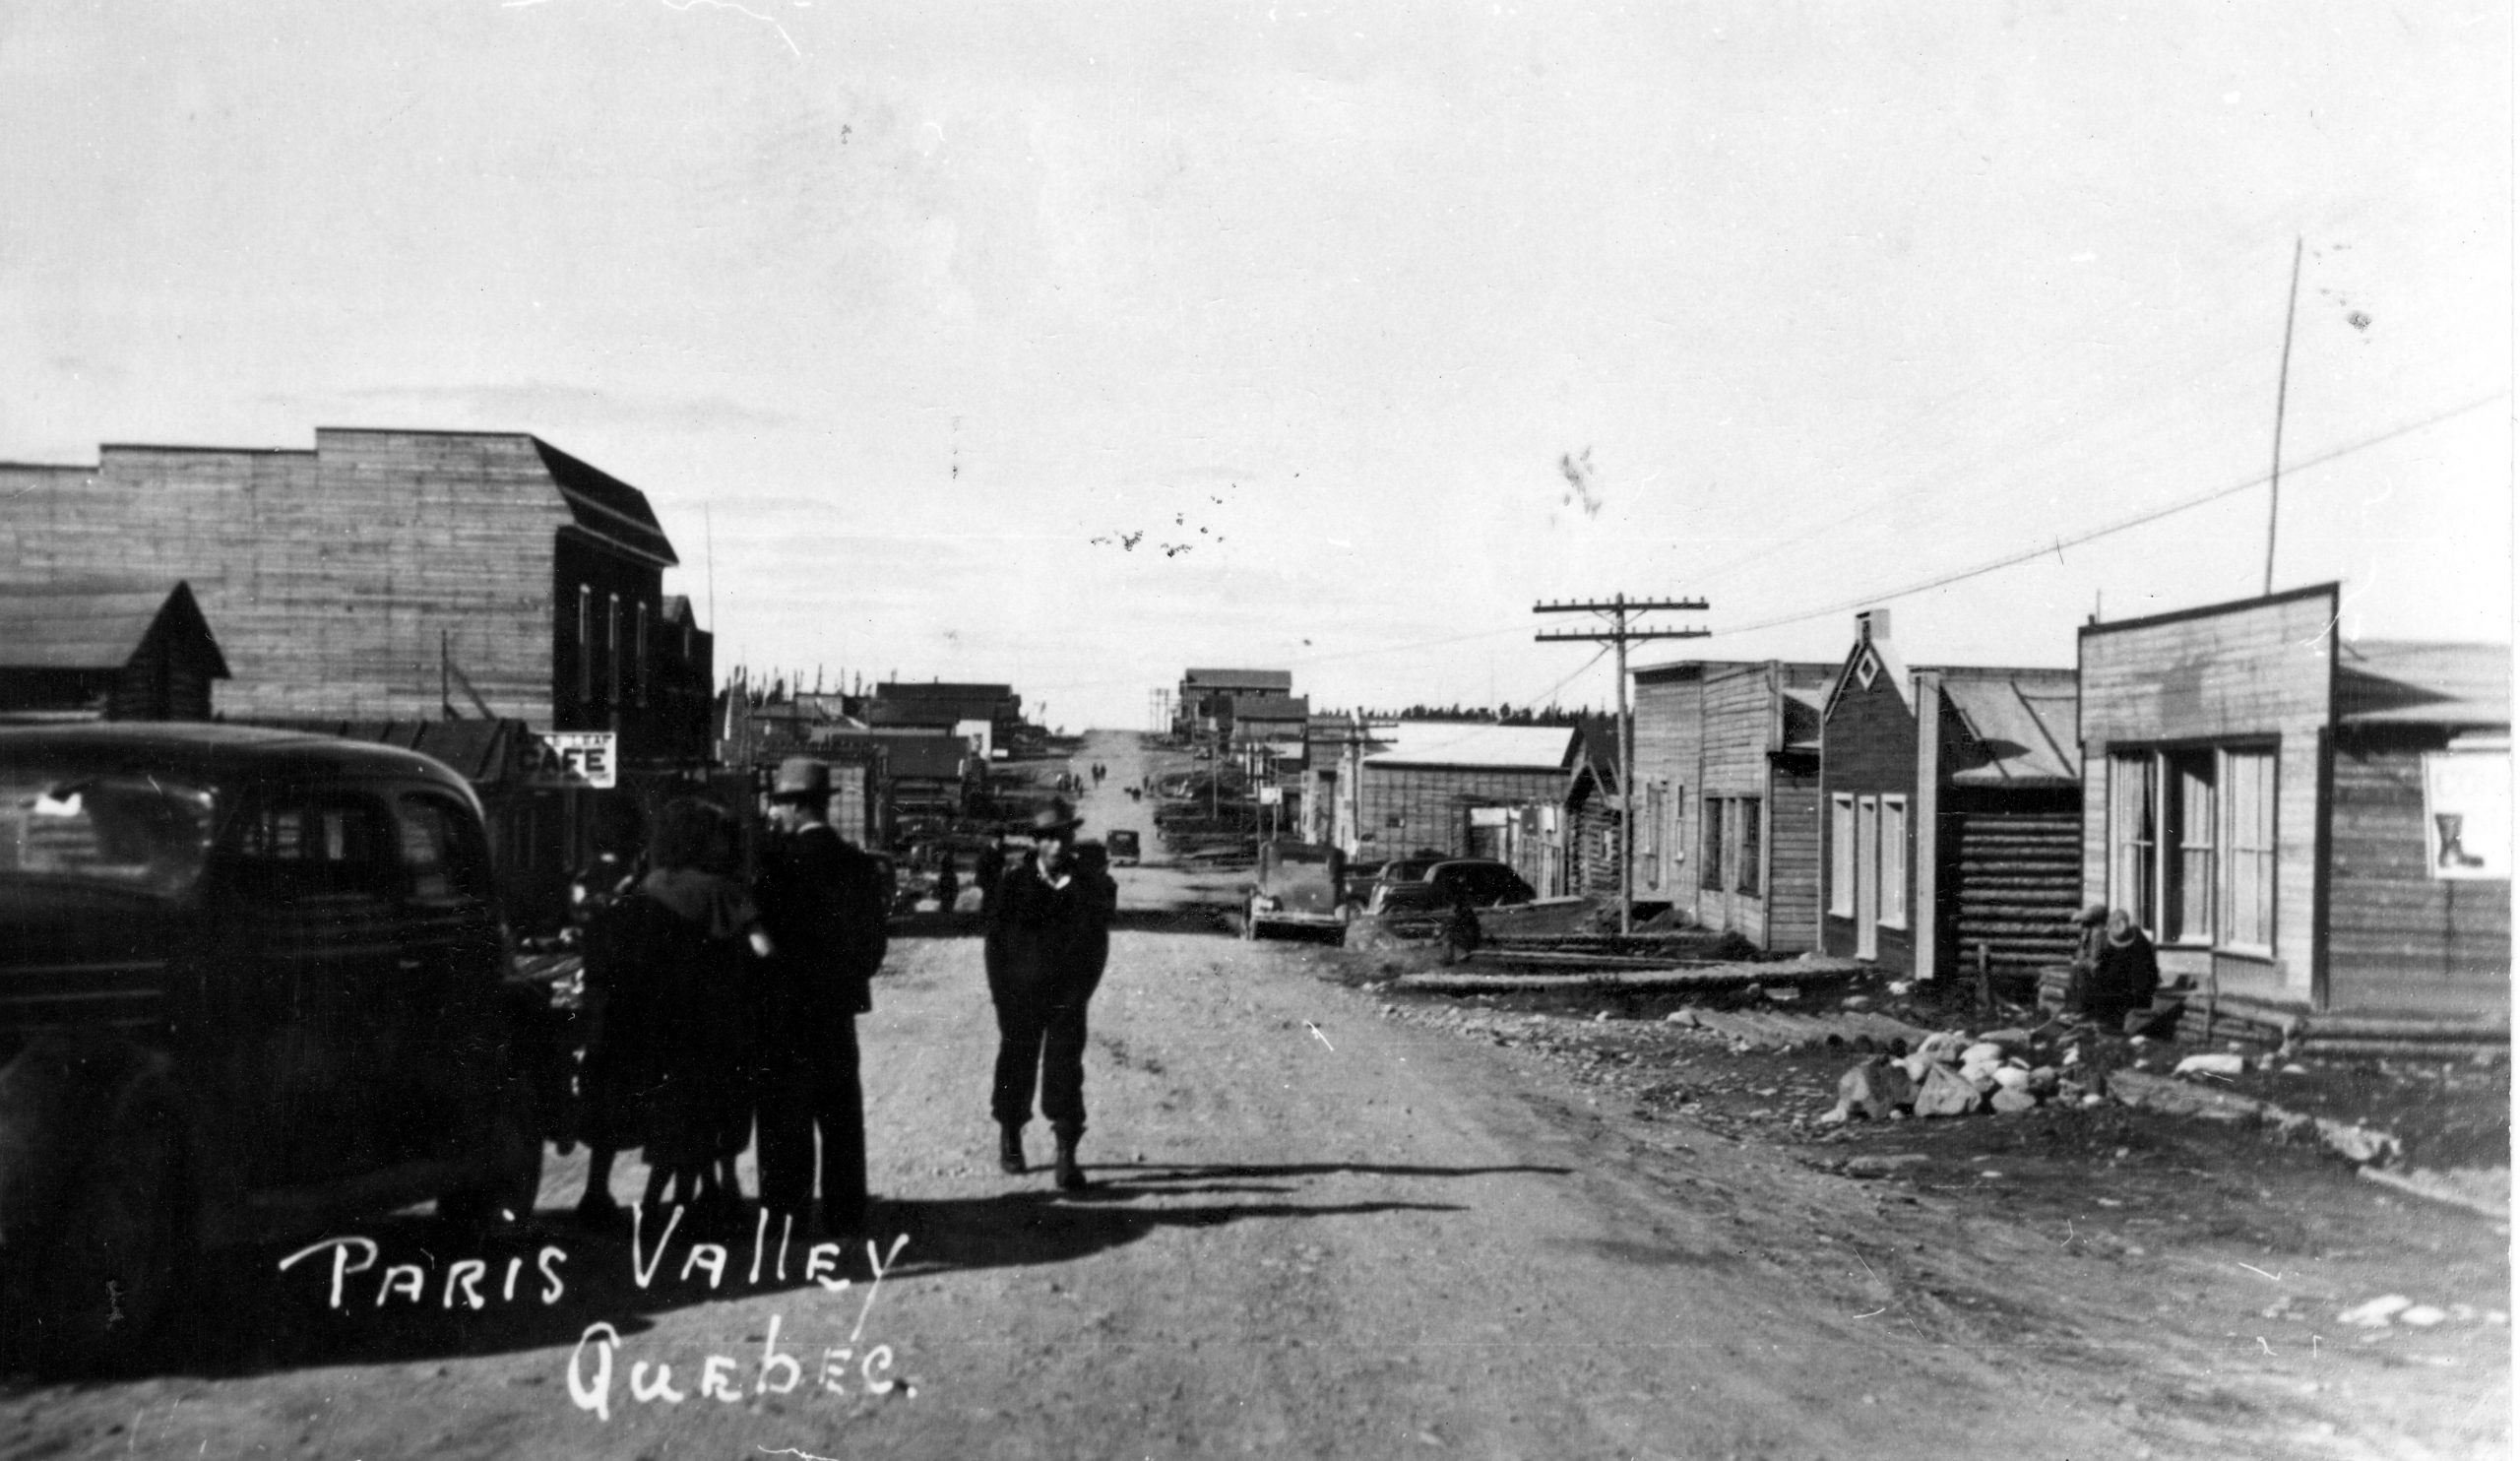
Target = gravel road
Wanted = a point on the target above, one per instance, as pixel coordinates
(1314, 1230)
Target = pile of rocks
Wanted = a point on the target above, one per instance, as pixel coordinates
(1955, 1073)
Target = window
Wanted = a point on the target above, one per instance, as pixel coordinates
(2187, 822)
(1842, 856)
(1894, 862)
(1709, 872)
(2131, 839)
(443, 861)
(586, 643)
(295, 848)
(1752, 876)
(2248, 850)
(613, 651)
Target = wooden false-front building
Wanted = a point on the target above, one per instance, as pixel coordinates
(2310, 829)
(1452, 788)
(109, 650)
(1727, 766)
(1951, 813)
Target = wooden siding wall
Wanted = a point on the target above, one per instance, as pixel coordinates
(2400, 940)
(1591, 813)
(1794, 856)
(1736, 728)
(1669, 723)
(2011, 875)
(326, 574)
(1870, 749)
(1407, 807)
(2263, 671)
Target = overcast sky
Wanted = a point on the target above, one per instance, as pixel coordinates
(912, 319)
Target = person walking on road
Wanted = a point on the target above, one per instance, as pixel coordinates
(822, 901)
(1049, 934)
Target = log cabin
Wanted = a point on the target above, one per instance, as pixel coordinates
(105, 649)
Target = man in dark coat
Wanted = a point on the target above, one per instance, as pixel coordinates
(2125, 976)
(1048, 937)
(822, 903)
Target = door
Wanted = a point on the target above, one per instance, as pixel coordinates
(439, 1041)
(1868, 877)
(313, 870)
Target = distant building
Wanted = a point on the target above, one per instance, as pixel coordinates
(1728, 796)
(1592, 818)
(1953, 813)
(112, 650)
(1204, 704)
(990, 714)
(2309, 828)
(1452, 788)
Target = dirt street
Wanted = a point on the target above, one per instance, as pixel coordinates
(1320, 1226)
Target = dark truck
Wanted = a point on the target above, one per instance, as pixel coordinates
(1297, 885)
(252, 982)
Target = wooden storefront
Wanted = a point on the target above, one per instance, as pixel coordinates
(2307, 825)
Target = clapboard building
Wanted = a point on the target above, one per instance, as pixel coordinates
(2310, 828)
(1451, 788)
(1728, 764)
(1951, 803)
(395, 575)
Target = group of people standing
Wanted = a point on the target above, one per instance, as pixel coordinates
(720, 1008)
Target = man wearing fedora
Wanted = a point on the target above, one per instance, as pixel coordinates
(822, 903)
(1048, 937)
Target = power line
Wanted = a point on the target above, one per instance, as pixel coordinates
(2151, 515)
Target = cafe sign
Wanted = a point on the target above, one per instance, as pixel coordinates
(567, 758)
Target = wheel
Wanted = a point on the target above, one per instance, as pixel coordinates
(88, 1300)
(508, 1194)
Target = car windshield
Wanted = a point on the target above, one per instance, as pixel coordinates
(105, 829)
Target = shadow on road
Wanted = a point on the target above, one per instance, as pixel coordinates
(410, 1297)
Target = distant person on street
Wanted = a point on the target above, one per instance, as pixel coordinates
(1048, 938)
(823, 902)
(946, 885)
(992, 868)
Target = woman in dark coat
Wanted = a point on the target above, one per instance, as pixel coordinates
(1048, 938)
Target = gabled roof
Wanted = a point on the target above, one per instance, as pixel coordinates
(1885, 660)
(1595, 748)
(606, 508)
(2024, 723)
(1475, 745)
(2382, 681)
(96, 624)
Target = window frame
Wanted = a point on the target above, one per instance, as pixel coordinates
(1893, 826)
(1842, 853)
(1750, 878)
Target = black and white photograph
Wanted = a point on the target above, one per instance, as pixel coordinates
(842, 729)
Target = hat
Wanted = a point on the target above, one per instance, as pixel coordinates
(802, 778)
(1055, 818)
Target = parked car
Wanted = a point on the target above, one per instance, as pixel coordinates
(1481, 881)
(252, 983)
(1125, 848)
(1297, 885)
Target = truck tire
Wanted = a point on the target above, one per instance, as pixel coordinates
(86, 1300)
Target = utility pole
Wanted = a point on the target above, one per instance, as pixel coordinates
(1618, 630)
(2283, 378)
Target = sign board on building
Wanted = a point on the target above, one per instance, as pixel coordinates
(567, 758)
(1272, 796)
(2466, 815)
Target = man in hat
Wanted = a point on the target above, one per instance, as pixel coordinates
(822, 903)
(1048, 937)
